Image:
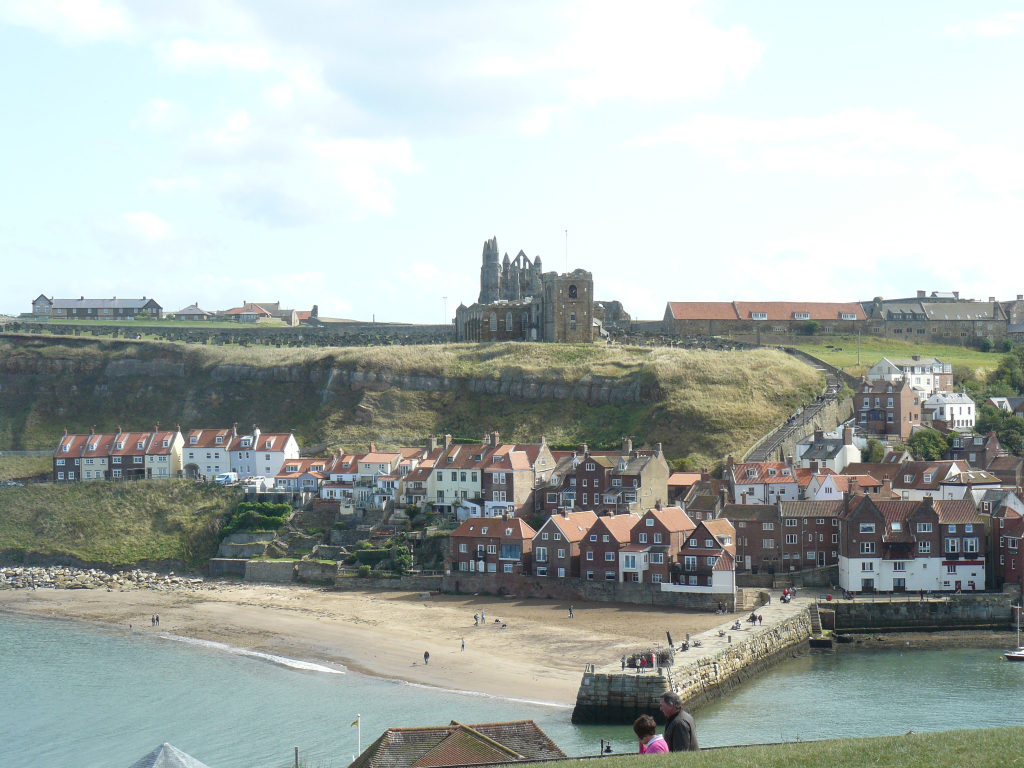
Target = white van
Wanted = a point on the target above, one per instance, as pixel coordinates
(226, 478)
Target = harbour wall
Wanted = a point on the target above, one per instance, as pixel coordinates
(986, 611)
(619, 697)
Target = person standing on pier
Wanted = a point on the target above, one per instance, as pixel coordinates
(680, 730)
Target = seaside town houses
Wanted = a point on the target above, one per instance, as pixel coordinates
(152, 455)
(493, 545)
(926, 376)
(556, 546)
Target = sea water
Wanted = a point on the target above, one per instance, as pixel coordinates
(76, 695)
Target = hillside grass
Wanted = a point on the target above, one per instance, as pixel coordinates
(115, 523)
(702, 404)
(12, 467)
(874, 349)
(990, 747)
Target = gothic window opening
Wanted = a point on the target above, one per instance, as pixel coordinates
(508, 322)
(572, 291)
(494, 321)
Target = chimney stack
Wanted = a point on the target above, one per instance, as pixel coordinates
(431, 443)
(627, 446)
(705, 475)
(495, 439)
(729, 461)
(583, 449)
(921, 294)
(886, 491)
(928, 502)
(743, 497)
(847, 435)
(819, 435)
(447, 441)
(814, 466)
(658, 448)
(234, 429)
(992, 298)
(854, 486)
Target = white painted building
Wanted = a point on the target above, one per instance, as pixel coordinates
(925, 375)
(954, 411)
(261, 453)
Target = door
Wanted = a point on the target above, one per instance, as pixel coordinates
(867, 585)
(956, 586)
(899, 585)
(746, 561)
(821, 558)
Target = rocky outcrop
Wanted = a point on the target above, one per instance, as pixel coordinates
(76, 578)
(132, 367)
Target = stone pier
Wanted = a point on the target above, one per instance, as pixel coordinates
(723, 661)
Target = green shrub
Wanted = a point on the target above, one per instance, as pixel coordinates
(364, 571)
(985, 345)
(372, 556)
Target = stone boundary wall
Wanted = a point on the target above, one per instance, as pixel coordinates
(812, 578)
(269, 570)
(227, 566)
(403, 584)
(619, 698)
(639, 593)
(955, 612)
(831, 415)
(313, 571)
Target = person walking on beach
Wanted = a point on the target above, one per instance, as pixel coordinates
(760, 619)
(476, 619)
(623, 662)
(426, 657)
(651, 742)
(483, 617)
(463, 643)
(158, 619)
(680, 730)
(643, 664)
(570, 611)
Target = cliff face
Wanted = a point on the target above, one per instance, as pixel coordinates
(350, 397)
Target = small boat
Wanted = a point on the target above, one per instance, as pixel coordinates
(1017, 655)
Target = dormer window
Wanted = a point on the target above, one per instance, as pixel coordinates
(219, 440)
(928, 477)
(119, 446)
(751, 473)
(66, 447)
(246, 443)
(889, 388)
(93, 446)
(758, 315)
(908, 478)
(193, 440)
(508, 531)
(772, 472)
(270, 444)
(802, 315)
(451, 459)
(140, 444)
(483, 531)
(785, 473)
(167, 443)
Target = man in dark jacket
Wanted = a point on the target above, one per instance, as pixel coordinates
(680, 730)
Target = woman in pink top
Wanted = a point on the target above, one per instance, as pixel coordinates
(650, 742)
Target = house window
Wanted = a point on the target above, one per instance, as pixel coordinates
(657, 538)
(590, 555)
(643, 538)
(952, 545)
(609, 575)
(867, 527)
(867, 547)
(924, 527)
(765, 527)
(791, 522)
(899, 567)
(869, 566)
(656, 578)
(590, 575)
(971, 545)
(791, 538)
(768, 544)
(609, 556)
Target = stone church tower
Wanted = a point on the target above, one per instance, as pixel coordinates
(490, 273)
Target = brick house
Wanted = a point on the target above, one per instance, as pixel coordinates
(654, 545)
(926, 375)
(810, 532)
(493, 545)
(556, 546)
(710, 548)
(599, 550)
(303, 475)
(898, 546)
(704, 500)
(887, 407)
(977, 450)
(68, 457)
(128, 456)
(1007, 553)
(758, 536)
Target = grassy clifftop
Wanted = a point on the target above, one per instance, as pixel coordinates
(697, 403)
(114, 523)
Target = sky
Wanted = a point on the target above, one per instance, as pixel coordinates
(356, 155)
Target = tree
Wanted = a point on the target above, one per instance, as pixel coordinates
(874, 452)
(685, 464)
(1007, 345)
(1009, 429)
(985, 344)
(927, 445)
(401, 560)
(1010, 370)
(811, 327)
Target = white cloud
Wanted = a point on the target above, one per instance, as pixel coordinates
(538, 122)
(654, 50)
(69, 20)
(998, 25)
(161, 115)
(850, 143)
(185, 53)
(148, 225)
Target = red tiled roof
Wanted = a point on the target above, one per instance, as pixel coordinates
(156, 446)
(380, 458)
(496, 527)
(702, 310)
(787, 310)
(619, 526)
(673, 518)
(762, 475)
(683, 479)
(955, 511)
(207, 438)
(130, 441)
(575, 525)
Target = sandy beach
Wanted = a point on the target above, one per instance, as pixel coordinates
(538, 655)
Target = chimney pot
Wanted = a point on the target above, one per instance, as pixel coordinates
(921, 294)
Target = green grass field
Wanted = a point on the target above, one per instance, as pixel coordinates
(982, 748)
(115, 523)
(873, 349)
(24, 466)
(696, 403)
